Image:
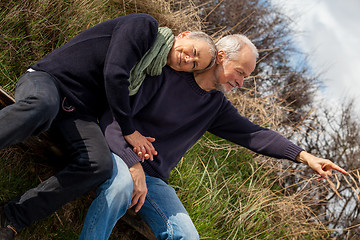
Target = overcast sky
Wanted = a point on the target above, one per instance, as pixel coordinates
(330, 33)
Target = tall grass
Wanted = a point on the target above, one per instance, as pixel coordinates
(230, 196)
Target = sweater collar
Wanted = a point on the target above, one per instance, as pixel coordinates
(193, 84)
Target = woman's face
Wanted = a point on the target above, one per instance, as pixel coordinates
(188, 54)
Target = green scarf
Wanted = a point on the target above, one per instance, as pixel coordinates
(153, 61)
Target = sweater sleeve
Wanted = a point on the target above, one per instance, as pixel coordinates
(230, 125)
(116, 141)
(129, 42)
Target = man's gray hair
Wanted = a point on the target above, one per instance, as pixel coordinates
(201, 36)
(232, 44)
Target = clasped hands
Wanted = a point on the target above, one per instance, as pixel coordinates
(142, 146)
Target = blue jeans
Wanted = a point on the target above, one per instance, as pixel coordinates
(162, 210)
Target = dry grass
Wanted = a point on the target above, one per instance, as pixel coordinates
(260, 110)
(179, 15)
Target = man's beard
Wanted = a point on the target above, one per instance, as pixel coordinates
(220, 87)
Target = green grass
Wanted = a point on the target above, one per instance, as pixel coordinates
(33, 29)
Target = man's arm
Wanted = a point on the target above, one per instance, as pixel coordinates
(238, 129)
(115, 139)
(230, 125)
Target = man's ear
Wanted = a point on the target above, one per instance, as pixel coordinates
(183, 34)
(220, 56)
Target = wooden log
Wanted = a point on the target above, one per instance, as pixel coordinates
(5, 98)
(50, 148)
(133, 220)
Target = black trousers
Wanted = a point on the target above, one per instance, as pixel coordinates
(36, 109)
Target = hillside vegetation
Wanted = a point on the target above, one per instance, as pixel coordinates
(229, 192)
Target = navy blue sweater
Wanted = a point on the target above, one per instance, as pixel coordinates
(177, 112)
(93, 68)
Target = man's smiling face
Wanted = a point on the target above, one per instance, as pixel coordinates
(231, 73)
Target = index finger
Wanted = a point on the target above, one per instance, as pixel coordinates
(140, 203)
(149, 150)
(336, 167)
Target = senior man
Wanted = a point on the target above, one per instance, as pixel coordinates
(177, 109)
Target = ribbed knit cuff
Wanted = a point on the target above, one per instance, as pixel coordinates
(292, 151)
(129, 157)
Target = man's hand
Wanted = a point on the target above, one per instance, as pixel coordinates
(139, 189)
(320, 165)
(142, 146)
